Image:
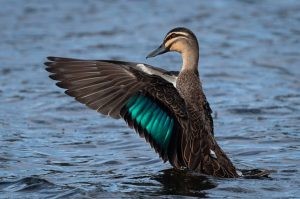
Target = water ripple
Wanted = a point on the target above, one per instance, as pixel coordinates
(53, 147)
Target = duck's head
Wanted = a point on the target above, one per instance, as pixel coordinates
(180, 40)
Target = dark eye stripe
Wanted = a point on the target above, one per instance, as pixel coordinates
(173, 35)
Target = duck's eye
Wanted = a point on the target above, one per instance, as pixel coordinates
(171, 36)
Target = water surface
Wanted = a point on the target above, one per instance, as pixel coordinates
(54, 147)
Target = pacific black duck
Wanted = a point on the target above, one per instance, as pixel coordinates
(169, 109)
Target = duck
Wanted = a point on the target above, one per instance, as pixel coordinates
(167, 108)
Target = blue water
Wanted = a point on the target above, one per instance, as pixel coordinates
(54, 147)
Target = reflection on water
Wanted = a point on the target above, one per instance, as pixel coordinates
(175, 182)
(52, 146)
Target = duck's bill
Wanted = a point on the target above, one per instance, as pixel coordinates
(160, 50)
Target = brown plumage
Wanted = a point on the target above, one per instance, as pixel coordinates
(169, 109)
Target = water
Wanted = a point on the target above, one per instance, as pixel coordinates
(54, 147)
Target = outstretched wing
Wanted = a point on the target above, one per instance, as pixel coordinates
(141, 94)
(102, 86)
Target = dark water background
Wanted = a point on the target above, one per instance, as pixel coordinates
(54, 147)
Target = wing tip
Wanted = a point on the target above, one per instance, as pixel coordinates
(61, 59)
(48, 63)
(56, 59)
(53, 76)
(52, 58)
(62, 84)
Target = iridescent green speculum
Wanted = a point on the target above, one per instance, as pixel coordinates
(152, 118)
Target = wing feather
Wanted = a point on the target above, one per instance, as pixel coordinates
(95, 83)
(106, 87)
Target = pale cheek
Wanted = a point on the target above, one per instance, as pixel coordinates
(177, 47)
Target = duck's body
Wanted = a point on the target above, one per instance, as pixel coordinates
(169, 109)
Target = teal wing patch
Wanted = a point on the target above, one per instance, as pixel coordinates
(150, 119)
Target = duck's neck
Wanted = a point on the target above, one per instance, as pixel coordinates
(190, 58)
(188, 82)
